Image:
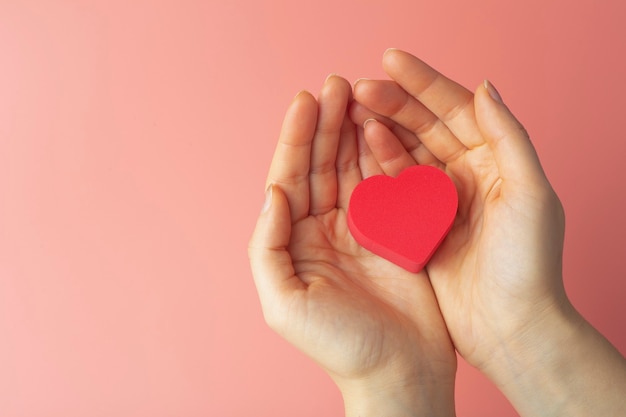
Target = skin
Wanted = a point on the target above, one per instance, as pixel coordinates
(360, 317)
(494, 288)
(498, 275)
(499, 269)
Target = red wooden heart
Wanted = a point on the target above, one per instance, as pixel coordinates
(403, 219)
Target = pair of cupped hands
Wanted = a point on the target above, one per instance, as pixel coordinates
(386, 336)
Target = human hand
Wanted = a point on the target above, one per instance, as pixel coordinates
(500, 265)
(375, 328)
(497, 275)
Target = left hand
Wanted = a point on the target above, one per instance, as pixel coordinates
(374, 327)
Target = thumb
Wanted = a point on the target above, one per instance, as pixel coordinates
(270, 260)
(514, 154)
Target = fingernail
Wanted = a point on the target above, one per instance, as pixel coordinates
(367, 121)
(332, 74)
(492, 91)
(361, 79)
(390, 49)
(299, 93)
(268, 198)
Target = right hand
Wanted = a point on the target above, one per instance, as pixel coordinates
(498, 274)
(499, 270)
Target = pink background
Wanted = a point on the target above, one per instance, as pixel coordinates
(134, 141)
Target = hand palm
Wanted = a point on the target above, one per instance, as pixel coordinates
(490, 260)
(356, 305)
(353, 312)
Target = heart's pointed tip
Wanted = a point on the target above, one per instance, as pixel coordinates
(413, 267)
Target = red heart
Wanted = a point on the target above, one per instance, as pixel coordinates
(403, 219)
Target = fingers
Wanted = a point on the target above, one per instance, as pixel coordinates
(388, 151)
(448, 101)
(389, 99)
(367, 161)
(513, 152)
(291, 161)
(270, 261)
(333, 103)
(348, 172)
(360, 114)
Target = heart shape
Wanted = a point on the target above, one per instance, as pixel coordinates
(403, 219)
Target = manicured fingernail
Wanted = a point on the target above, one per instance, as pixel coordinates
(361, 79)
(332, 74)
(492, 91)
(268, 198)
(367, 121)
(390, 49)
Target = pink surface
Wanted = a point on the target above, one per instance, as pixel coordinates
(134, 141)
(403, 219)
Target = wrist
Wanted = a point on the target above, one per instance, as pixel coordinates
(384, 398)
(531, 358)
(560, 366)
